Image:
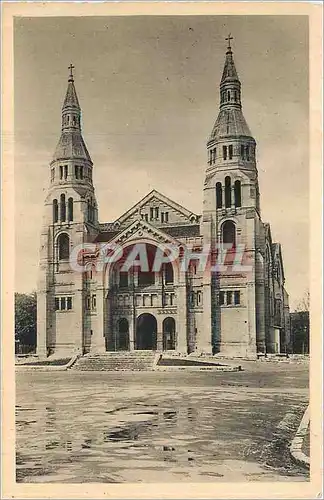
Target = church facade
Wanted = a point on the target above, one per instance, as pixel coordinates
(232, 302)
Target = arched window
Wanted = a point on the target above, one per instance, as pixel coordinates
(63, 244)
(146, 278)
(55, 211)
(70, 209)
(242, 151)
(228, 95)
(62, 208)
(228, 233)
(168, 273)
(219, 195)
(237, 193)
(168, 327)
(228, 192)
(123, 334)
(123, 279)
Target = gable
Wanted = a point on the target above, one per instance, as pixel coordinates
(141, 230)
(277, 260)
(157, 209)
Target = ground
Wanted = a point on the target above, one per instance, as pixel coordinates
(160, 426)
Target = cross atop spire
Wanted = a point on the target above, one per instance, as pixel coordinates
(229, 38)
(71, 68)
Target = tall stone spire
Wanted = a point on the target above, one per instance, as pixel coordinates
(230, 86)
(71, 144)
(231, 139)
(71, 99)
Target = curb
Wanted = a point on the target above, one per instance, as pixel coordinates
(206, 363)
(47, 368)
(198, 368)
(296, 445)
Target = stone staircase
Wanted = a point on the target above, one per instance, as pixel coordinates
(118, 361)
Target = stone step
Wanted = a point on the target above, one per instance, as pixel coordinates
(112, 361)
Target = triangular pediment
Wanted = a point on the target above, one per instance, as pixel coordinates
(157, 209)
(141, 230)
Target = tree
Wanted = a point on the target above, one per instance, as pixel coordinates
(303, 305)
(300, 326)
(25, 319)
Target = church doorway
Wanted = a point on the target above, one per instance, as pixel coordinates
(168, 334)
(123, 335)
(146, 329)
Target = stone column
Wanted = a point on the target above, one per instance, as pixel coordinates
(223, 195)
(98, 342)
(41, 324)
(131, 332)
(232, 196)
(204, 339)
(251, 344)
(108, 325)
(159, 334)
(181, 326)
(260, 303)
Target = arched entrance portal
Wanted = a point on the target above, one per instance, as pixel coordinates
(168, 334)
(123, 335)
(146, 328)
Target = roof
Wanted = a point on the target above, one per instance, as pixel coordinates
(229, 72)
(71, 145)
(182, 231)
(106, 236)
(71, 98)
(230, 122)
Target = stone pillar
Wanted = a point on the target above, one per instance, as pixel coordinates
(181, 326)
(159, 334)
(131, 333)
(98, 342)
(108, 326)
(76, 341)
(204, 340)
(223, 195)
(41, 324)
(260, 302)
(251, 346)
(232, 196)
(43, 284)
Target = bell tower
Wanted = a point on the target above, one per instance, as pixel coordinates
(70, 219)
(72, 167)
(231, 218)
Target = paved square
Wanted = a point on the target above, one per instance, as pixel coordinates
(160, 426)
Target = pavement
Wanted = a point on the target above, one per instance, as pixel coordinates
(301, 442)
(161, 426)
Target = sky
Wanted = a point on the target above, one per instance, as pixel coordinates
(148, 87)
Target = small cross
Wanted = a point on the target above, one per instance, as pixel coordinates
(229, 38)
(71, 68)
